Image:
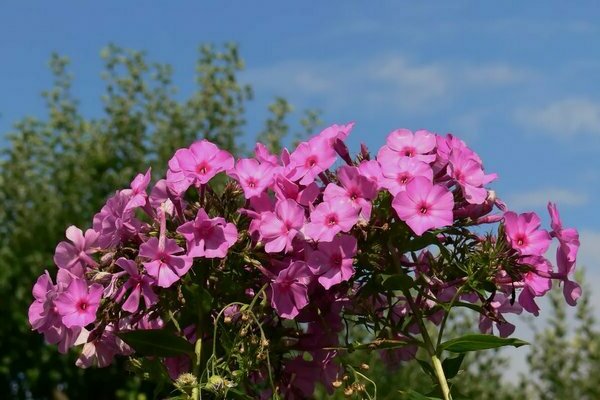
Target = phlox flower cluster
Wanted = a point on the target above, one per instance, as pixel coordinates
(287, 247)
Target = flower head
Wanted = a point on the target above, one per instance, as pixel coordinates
(424, 205)
(524, 235)
(76, 256)
(208, 237)
(278, 229)
(290, 290)
(78, 304)
(254, 177)
(330, 218)
(332, 261)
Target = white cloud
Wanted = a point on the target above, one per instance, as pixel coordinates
(540, 197)
(391, 82)
(566, 118)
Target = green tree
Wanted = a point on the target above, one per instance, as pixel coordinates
(58, 171)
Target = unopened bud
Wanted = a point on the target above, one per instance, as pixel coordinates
(336, 384)
(348, 392)
(364, 367)
(227, 320)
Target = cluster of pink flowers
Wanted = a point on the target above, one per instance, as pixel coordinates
(313, 228)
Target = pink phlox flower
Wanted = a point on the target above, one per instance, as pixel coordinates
(470, 176)
(524, 235)
(302, 375)
(499, 305)
(208, 237)
(310, 159)
(330, 218)
(278, 229)
(571, 289)
(536, 282)
(139, 285)
(424, 205)
(446, 145)
(162, 196)
(404, 143)
(253, 177)
(356, 189)
(336, 132)
(303, 195)
(394, 357)
(372, 170)
(76, 256)
(290, 290)
(101, 349)
(567, 237)
(138, 194)
(332, 261)
(263, 155)
(397, 174)
(167, 261)
(197, 165)
(114, 223)
(78, 303)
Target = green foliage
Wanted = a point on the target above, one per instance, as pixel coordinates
(58, 170)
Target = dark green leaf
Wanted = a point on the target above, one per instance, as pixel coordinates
(398, 282)
(451, 366)
(479, 342)
(426, 367)
(157, 342)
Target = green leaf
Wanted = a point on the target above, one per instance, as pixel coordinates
(398, 282)
(412, 395)
(479, 342)
(157, 342)
(421, 242)
(426, 367)
(451, 366)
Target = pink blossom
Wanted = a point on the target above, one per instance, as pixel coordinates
(500, 304)
(303, 195)
(278, 229)
(137, 192)
(115, 223)
(424, 205)
(140, 286)
(76, 256)
(372, 170)
(336, 132)
(567, 237)
(523, 234)
(208, 237)
(254, 178)
(310, 159)
(167, 261)
(356, 189)
(470, 176)
(197, 165)
(330, 218)
(290, 290)
(263, 155)
(535, 284)
(78, 304)
(397, 174)
(332, 262)
(571, 289)
(403, 143)
(101, 350)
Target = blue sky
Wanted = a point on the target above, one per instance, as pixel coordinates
(518, 81)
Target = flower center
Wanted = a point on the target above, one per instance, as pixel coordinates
(423, 209)
(403, 179)
(202, 168)
(331, 220)
(336, 260)
(408, 152)
(311, 161)
(82, 305)
(251, 182)
(521, 240)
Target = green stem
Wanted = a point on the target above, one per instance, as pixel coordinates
(439, 373)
